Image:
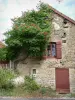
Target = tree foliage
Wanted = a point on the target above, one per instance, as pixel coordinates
(3, 54)
(30, 32)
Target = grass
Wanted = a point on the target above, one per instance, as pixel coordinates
(72, 95)
(29, 89)
(21, 92)
(17, 91)
(42, 92)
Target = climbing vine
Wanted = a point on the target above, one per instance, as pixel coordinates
(30, 32)
(3, 54)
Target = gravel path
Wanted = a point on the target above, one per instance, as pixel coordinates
(11, 98)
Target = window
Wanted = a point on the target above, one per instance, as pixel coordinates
(63, 41)
(54, 49)
(34, 71)
(51, 49)
(65, 21)
(64, 35)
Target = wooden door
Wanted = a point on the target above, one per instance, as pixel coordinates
(62, 80)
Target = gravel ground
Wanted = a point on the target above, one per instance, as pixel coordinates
(12, 98)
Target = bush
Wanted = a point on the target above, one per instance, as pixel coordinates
(43, 90)
(47, 91)
(5, 78)
(30, 85)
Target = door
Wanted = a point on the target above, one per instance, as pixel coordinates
(62, 80)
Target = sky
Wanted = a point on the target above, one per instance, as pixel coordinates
(13, 8)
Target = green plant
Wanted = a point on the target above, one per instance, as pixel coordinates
(30, 85)
(30, 33)
(43, 90)
(3, 54)
(48, 91)
(5, 78)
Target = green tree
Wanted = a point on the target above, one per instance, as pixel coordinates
(3, 54)
(30, 32)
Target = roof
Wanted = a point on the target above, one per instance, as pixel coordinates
(62, 15)
(2, 45)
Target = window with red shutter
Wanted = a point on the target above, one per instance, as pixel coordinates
(58, 50)
(51, 50)
(54, 50)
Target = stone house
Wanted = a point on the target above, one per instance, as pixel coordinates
(57, 69)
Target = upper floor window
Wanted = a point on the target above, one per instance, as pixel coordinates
(51, 49)
(64, 35)
(65, 21)
(54, 50)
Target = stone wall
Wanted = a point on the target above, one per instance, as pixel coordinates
(45, 69)
(44, 74)
(72, 79)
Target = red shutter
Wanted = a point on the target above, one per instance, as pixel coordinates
(58, 50)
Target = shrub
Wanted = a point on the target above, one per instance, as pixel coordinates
(43, 90)
(47, 91)
(30, 84)
(5, 78)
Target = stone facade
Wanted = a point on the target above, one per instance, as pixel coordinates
(45, 69)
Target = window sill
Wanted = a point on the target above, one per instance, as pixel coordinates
(49, 57)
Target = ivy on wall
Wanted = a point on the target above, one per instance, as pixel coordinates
(3, 54)
(30, 32)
